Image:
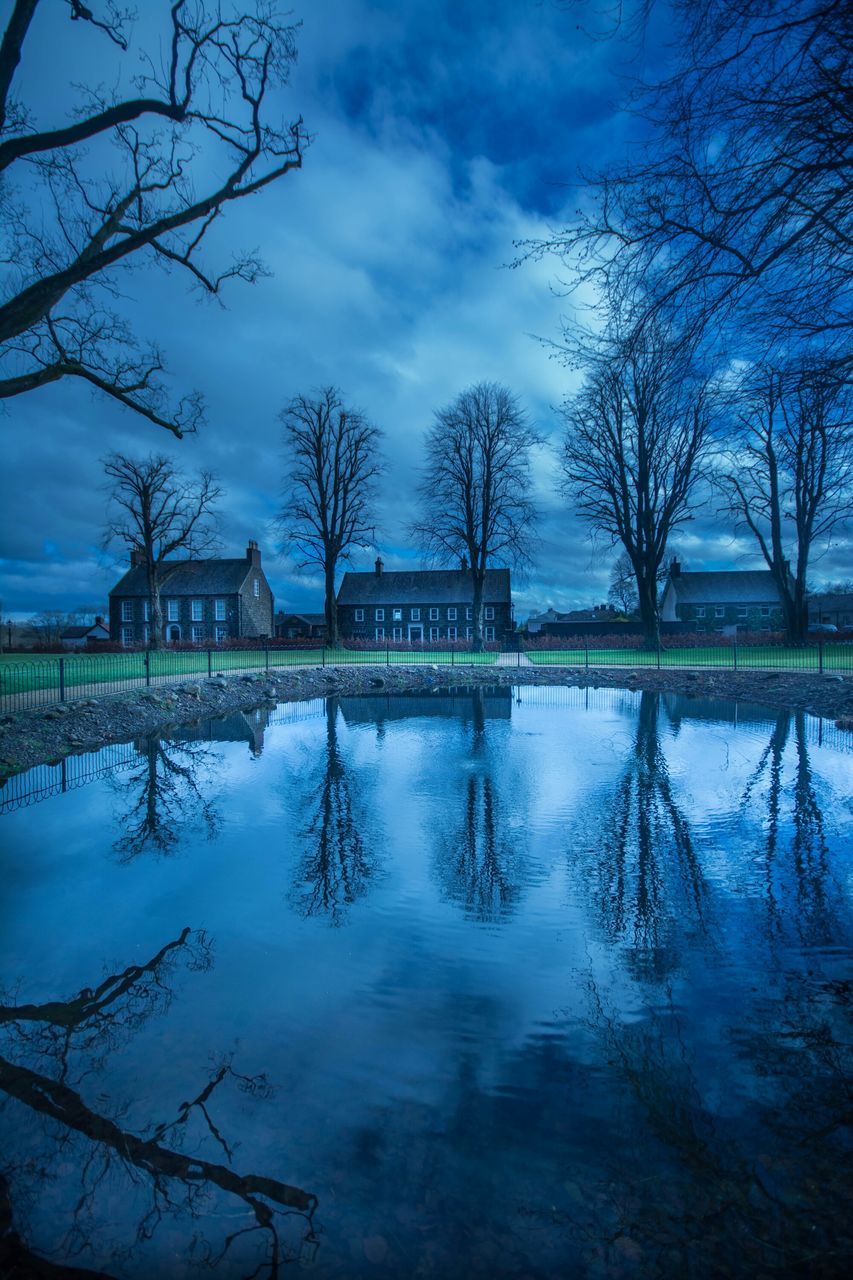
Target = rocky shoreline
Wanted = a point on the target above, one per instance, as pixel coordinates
(47, 734)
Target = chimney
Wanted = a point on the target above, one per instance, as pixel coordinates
(137, 558)
(464, 564)
(99, 621)
(379, 566)
(253, 555)
(675, 569)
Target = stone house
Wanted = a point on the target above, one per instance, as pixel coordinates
(300, 626)
(727, 601)
(78, 637)
(204, 602)
(835, 607)
(422, 606)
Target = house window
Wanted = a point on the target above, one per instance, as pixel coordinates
(359, 615)
(145, 608)
(451, 616)
(127, 611)
(416, 615)
(490, 611)
(700, 611)
(700, 631)
(146, 634)
(379, 633)
(398, 633)
(468, 633)
(742, 612)
(379, 616)
(197, 635)
(197, 610)
(765, 611)
(172, 610)
(127, 635)
(451, 633)
(469, 613)
(256, 587)
(219, 611)
(433, 615)
(221, 634)
(490, 633)
(397, 615)
(433, 633)
(719, 611)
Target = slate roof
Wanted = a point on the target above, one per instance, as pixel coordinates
(77, 633)
(311, 619)
(191, 578)
(729, 586)
(423, 586)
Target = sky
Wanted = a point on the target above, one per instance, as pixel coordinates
(442, 134)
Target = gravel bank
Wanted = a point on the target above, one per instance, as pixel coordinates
(40, 736)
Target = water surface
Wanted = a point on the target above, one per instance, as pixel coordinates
(531, 982)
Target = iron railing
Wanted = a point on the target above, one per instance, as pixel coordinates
(27, 683)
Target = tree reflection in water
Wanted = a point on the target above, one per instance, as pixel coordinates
(476, 862)
(800, 863)
(48, 1050)
(336, 869)
(165, 795)
(637, 854)
(751, 1188)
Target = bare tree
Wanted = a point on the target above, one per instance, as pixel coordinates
(476, 485)
(193, 134)
(788, 473)
(332, 463)
(622, 591)
(635, 437)
(740, 207)
(159, 511)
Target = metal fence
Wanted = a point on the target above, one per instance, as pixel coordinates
(42, 682)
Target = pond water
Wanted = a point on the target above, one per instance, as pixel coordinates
(529, 982)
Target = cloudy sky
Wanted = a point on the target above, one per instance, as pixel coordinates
(443, 131)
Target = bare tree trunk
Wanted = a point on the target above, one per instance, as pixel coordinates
(478, 577)
(647, 592)
(331, 609)
(155, 609)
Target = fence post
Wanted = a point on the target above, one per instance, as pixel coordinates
(61, 679)
(324, 656)
(586, 657)
(266, 659)
(209, 663)
(658, 655)
(734, 654)
(387, 655)
(820, 656)
(147, 664)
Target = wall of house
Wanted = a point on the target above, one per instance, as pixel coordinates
(205, 627)
(256, 611)
(418, 615)
(716, 616)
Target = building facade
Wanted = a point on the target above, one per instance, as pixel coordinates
(422, 606)
(204, 602)
(725, 602)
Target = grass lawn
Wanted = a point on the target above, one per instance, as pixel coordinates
(23, 673)
(837, 657)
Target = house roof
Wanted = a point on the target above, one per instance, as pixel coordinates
(190, 578)
(78, 632)
(310, 619)
(423, 586)
(729, 586)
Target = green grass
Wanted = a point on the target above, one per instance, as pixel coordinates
(835, 658)
(24, 673)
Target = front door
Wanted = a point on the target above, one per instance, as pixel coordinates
(416, 633)
(173, 633)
